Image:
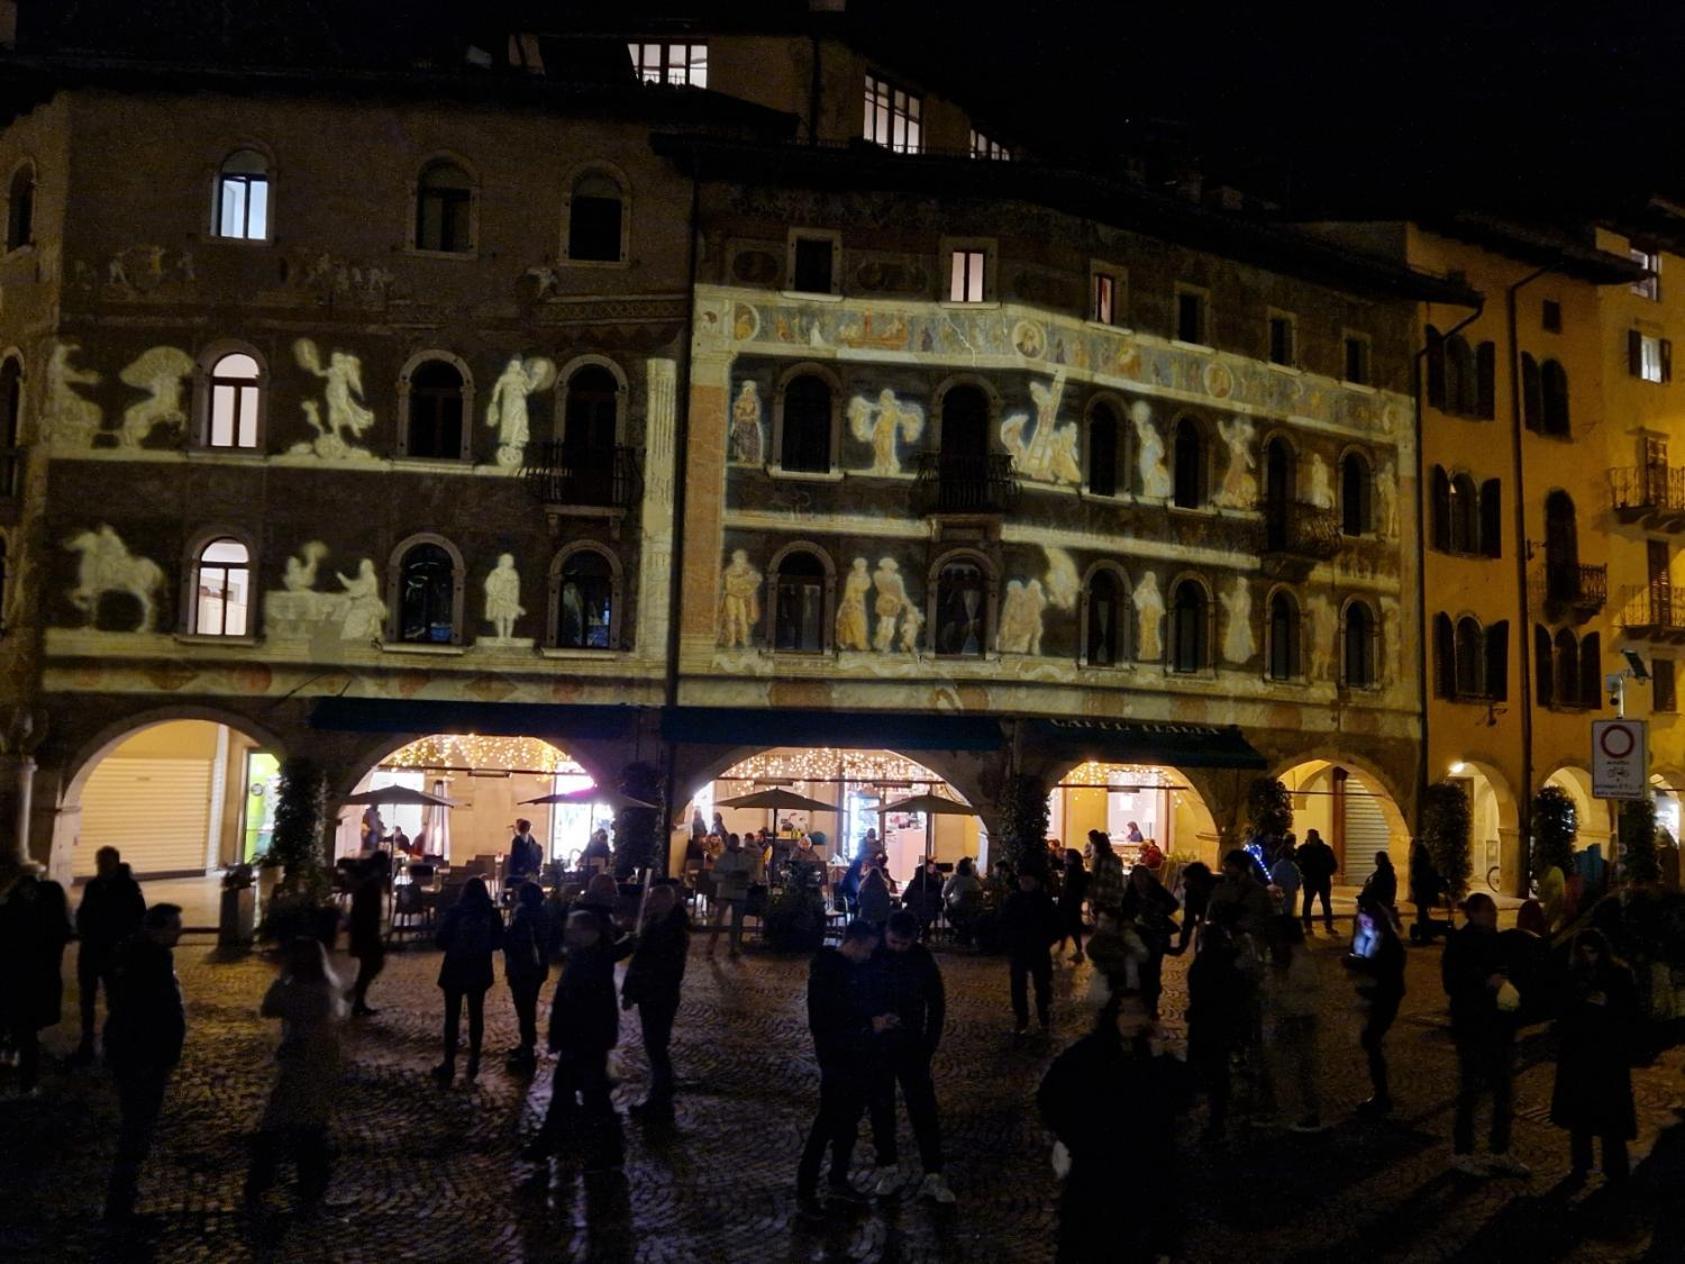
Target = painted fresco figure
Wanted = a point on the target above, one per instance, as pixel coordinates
(740, 605)
(883, 425)
(343, 392)
(1155, 477)
(1020, 617)
(851, 610)
(107, 566)
(72, 419)
(300, 574)
(503, 597)
(506, 410)
(1323, 633)
(365, 612)
(1386, 501)
(746, 426)
(1321, 494)
(1237, 635)
(891, 601)
(1149, 618)
(1240, 486)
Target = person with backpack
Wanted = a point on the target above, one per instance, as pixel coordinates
(471, 932)
(526, 964)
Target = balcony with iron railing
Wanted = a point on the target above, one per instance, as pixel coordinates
(1651, 612)
(587, 482)
(1298, 530)
(965, 486)
(1653, 495)
(1575, 588)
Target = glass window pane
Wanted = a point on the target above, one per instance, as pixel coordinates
(247, 438)
(235, 603)
(225, 551)
(236, 365)
(974, 278)
(233, 218)
(257, 217)
(956, 278)
(222, 416)
(699, 65)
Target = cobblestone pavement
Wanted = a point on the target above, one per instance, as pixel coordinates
(433, 1175)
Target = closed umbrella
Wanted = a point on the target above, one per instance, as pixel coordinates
(930, 805)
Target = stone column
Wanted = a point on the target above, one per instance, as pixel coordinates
(17, 786)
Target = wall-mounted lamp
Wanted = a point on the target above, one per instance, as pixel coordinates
(1458, 768)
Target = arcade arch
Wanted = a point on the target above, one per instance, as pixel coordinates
(1160, 801)
(1595, 818)
(1353, 809)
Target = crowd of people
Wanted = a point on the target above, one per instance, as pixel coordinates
(876, 1007)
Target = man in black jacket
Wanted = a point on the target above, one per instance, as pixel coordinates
(110, 912)
(144, 1031)
(653, 979)
(842, 1022)
(907, 983)
(1030, 925)
(1473, 972)
(1317, 864)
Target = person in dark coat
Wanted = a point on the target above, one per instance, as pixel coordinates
(526, 856)
(1198, 882)
(367, 943)
(1219, 1006)
(1593, 1093)
(1152, 909)
(1381, 988)
(839, 1014)
(1317, 865)
(1030, 925)
(905, 981)
(526, 964)
(145, 1027)
(470, 932)
(1424, 886)
(923, 896)
(1383, 883)
(34, 928)
(654, 977)
(584, 1027)
(109, 913)
(1474, 973)
(1112, 1106)
(1072, 892)
(602, 901)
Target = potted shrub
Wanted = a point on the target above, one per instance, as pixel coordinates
(1447, 824)
(300, 905)
(1023, 822)
(1269, 809)
(1555, 825)
(635, 829)
(1640, 860)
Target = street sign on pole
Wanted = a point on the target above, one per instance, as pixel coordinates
(1620, 759)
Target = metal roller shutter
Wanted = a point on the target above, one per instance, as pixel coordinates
(155, 811)
(1366, 831)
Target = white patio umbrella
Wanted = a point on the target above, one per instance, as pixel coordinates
(930, 805)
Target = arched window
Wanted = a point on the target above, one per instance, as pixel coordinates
(1357, 652)
(1190, 634)
(444, 209)
(1471, 659)
(585, 602)
(806, 442)
(1532, 394)
(427, 596)
(965, 426)
(798, 604)
(434, 427)
(11, 429)
(590, 415)
(242, 196)
(1440, 484)
(20, 208)
(1591, 672)
(1188, 457)
(1465, 515)
(1444, 656)
(1567, 659)
(1105, 451)
(1459, 376)
(1356, 517)
(1553, 387)
(596, 215)
(962, 610)
(221, 589)
(1106, 626)
(1492, 518)
(1544, 674)
(232, 420)
(1284, 638)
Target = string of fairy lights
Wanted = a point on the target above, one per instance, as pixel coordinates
(824, 763)
(476, 750)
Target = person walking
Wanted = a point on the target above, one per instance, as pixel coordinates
(1218, 1004)
(1380, 991)
(145, 1027)
(1151, 910)
(307, 999)
(1424, 888)
(734, 870)
(470, 932)
(365, 941)
(1317, 864)
(109, 913)
(34, 928)
(1474, 976)
(1030, 925)
(875, 900)
(905, 981)
(1105, 886)
(1593, 1092)
(1383, 883)
(1286, 878)
(1072, 892)
(654, 977)
(1292, 992)
(1240, 900)
(526, 856)
(840, 1019)
(526, 964)
(1198, 882)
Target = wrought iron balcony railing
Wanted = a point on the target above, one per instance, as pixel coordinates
(1653, 612)
(965, 484)
(1582, 589)
(562, 477)
(1644, 490)
(1298, 529)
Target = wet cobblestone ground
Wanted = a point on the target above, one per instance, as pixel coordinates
(425, 1174)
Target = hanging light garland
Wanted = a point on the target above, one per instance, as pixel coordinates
(1093, 773)
(472, 750)
(826, 763)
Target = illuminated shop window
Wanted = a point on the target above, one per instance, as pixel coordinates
(893, 117)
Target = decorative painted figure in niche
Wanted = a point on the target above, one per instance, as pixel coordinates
(1155, 477)
(740, 603)
(1321, 493)
(1020, 617)
(746, 446)
(892, 604)
(1324, 630)
(1238, 643)
(365, 612)
(912, 622)
(161, 372)
(1050, 453)
(1063, 586)
(506, 411)
(852, 631)
(1240, 484)
(300, 575)
(884, 425)
(503, 597)
(72, 420)
(343, 394)
(1392, 643)
(107, 566)
(1386, 501)
(1149, 619)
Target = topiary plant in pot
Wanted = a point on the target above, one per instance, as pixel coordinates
(1556, 823)
(300, 904)
(1447, 824)
(1640, 861)
(1023, 822)
(1269, 809)
(635, 829)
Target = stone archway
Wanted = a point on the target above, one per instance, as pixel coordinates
(1351, 803)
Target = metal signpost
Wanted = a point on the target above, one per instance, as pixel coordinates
(1620, 759)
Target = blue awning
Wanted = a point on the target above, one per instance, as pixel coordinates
(852, 730)
(1146, 742)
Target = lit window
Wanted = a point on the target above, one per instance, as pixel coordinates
(983, 147)
(222, 587)
(585, 602)
(1104, 306)
(965, 280)
(671, 63)
(1651, 286)
(1654, 360)
(893, 117)
(234, 399)
(242, 197)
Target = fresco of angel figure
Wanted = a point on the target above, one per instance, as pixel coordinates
(343, 392)
(506, 409)
(885, 425)
(852, 633)
(160, 372)
(1238, 642)
(1155, 477)
(740, 601)
(1020, 617)
(1240, 484)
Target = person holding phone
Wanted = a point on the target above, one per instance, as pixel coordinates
(1377, 957)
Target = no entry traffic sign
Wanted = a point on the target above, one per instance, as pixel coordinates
(1620, 759)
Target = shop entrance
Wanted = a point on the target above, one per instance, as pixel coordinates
(1353, 812)
(1133, 804)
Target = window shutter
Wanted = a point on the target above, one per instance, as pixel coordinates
(1441, 510)
(1492, 518)
(1667, 359)
(1542, 669)
(1486, 375)
(1532, 394)
(1635, 353)
(1444, 656)
(1591, 673)
(1497, 661)
(1436, 368)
